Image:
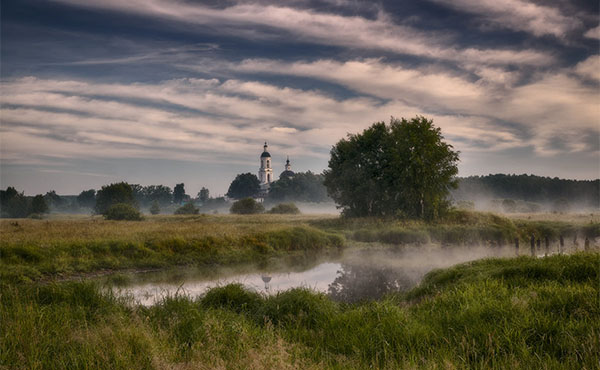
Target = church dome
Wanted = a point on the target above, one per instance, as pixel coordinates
(287, 173)
(265, 154)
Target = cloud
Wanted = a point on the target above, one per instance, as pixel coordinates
(518, 15)
(589, 68)
(593, 33)
(538, 110)
(353, 32)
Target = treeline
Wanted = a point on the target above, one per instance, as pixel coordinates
(302, 187)
(154, 198)
(543, 191)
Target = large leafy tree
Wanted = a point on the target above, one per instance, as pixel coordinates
(404, 168)
(302, 187)
(243, 186)
(113, 194)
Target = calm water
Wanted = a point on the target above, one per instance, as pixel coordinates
(354, 275)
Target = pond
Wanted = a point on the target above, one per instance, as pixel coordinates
(353, 275)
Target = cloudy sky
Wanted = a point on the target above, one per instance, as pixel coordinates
(167, 91)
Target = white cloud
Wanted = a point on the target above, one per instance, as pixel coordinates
(593, 33)
(329, 29)
(519, 15)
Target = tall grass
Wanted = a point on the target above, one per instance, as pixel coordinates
(33, 249)
(496, 313)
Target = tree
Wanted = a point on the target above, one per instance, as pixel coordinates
(203, 195)
(158, 193)
(13, 204)
(54, 200)
(243, 186)
(246, 206)
(401, 169)
(302, 187)
(178, 193)
(87, 198)
(39, 205)
(113, 194)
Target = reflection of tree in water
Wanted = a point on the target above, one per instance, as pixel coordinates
(357, 282)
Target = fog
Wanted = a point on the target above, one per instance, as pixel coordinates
(356, 274)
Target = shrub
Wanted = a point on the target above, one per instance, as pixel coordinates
(122, 211)
(285, 208)
(155, 208)
(188, 209)
(246, 206)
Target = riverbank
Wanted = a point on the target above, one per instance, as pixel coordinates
(495, 313)
(62, 248)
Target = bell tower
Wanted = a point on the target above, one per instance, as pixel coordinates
(265, 173)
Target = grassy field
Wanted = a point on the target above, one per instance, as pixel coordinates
(498, 313)
(32, 250)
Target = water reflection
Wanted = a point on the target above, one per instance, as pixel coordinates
(353, 276)
(358, 282)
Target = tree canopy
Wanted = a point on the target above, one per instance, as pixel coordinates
(179, 193)
(243, 186)
(401, 169)
(87, 198)
(302, 187)
(114, 194)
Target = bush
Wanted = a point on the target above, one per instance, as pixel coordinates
(155, 208)
(285, 208)
(188, 209)
(246, 206)
(122, 211)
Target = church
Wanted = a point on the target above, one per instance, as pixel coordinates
(265, 173)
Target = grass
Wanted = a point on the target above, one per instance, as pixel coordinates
(32, 250)
(495, 313)
(35, 249)
(464, 228)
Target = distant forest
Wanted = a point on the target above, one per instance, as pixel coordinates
(530, 188)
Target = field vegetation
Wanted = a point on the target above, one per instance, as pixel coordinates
(497, 313)
(40, 249)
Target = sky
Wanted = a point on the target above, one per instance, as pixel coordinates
(169, 91)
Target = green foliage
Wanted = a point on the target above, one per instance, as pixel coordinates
(13, 204)
(87, 198)
(495, 313)
(303, 187)
(122, 211)
(203, 195)
(243, 186)
(404, 169)
(38, 205)
(285, 208)
(117, 193)
(179, 193)
(54, 200)
(155, 208)
(157, 193)
(187, 209)
(246, 206)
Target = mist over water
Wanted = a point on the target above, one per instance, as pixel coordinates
(355, 275)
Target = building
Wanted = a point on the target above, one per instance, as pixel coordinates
(288, 173)
(265, 173)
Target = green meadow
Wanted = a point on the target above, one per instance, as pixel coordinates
(521, 312)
